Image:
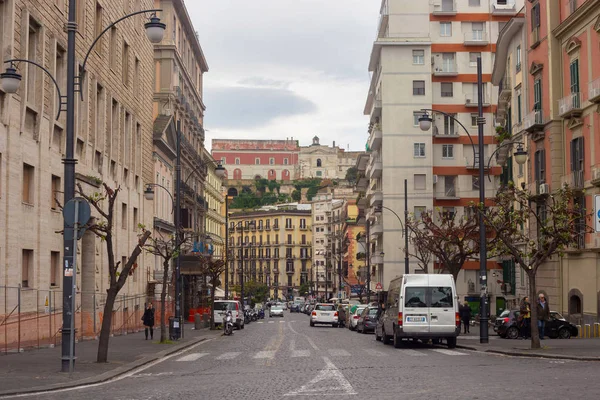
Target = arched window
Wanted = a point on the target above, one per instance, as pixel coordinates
(319, 162)
(575, 302)
(237, 173)
(272, 174)
(285, 175)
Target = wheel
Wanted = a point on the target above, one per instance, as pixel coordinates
(312, 323)
(451, 341)
(397, 341)
(377, 337)
(512, 333)
(243, 326)
(238, 325)
(564, 333)
(335, 325)
(386, 338)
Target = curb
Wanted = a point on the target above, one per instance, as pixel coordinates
(107, 376)
(530, 355)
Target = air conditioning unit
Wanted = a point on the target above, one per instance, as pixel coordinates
(435, 179)
(544, 188)
(468, 101)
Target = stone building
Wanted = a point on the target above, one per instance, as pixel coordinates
(215, 212)
(322, 161)
(113, 144)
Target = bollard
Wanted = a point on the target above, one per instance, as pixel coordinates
(596, 329)
(197, 321)
(587, 331)
(579, 332)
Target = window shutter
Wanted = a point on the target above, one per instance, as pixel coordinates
(573, 155)
(581, 154)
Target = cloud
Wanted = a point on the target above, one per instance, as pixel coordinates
(251, 107)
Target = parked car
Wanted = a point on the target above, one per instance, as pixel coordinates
(366, 321)
(506, 326)
(222, 306)
(295, 307)
(354, 315)
(324, 313)
(276, 311)
(420, 306)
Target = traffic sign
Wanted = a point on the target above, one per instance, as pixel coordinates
(84, 214)
(597, 213)
(378, 286)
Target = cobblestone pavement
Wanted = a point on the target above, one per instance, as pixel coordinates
(284, 358)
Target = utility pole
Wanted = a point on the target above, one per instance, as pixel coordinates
(406, 269)
(177, 322)
(368, 262)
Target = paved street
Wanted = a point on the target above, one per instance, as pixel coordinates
(286, 359)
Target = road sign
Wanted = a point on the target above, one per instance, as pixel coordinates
(378, 286)
(597, 213)
(84, 213)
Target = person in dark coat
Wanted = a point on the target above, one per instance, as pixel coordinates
(148, 319)
(341, 316)
(543, 314)
(465, 316)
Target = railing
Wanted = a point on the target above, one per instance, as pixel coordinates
(476, 37)
(594, 90)
(471, 100)
(575, 180)
(442, 68)
(447, 193)
(503, 6)
(569, 103)
(447, 7)
(533, 119)
(290, 227)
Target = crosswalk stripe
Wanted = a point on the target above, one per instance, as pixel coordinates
(260, 322)
(376, 353)
(228, 356)
(192, 357)
(412, 353)
(265, 354)
(300, 353)
(282, 322)
(449, 352)
(338, 353)
(271, 322)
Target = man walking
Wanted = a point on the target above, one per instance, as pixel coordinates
(525, 311)
(543, 314)
(148, 319)
(465, 316)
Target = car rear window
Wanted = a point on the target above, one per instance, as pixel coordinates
(325, 307)
(224, 306)
(276, 308)
(373, 311)
(441, 296)
(414, 297)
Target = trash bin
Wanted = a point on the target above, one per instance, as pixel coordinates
(197, 321)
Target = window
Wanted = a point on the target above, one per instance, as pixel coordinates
(257, 161)
(474, 120)
(237, 161)
(577, 154)
(473, 56)
(449, 127)
(123, 216)
(414, 297)
(445, 29)
(474, 3)
(27, 268)
(135, 218)
(540, 166)
(447, 89)
(419, 210)
(319, 173)
(519, 113)
(55, 271)
(113, 48)
(474, 182)
(447, 151)
(448, 62)
(98, 28)
(33, 43)
(285, 161)
(535, 17)
(477, 30)
(518, 67)
(28, 175)
(271, 161)
(418, 57)
(418, 88)
(441, 297)
(537, 94)
(319, 163)
(419, 150)
(420, 181)
(136, 77)
(448, 212)
(574, 71)
(55, 190)
(61, 68)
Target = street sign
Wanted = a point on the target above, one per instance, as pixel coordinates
(378, 286)
(597, 213)
(84, 213)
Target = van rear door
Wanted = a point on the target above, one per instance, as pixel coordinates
(442, 311)
(415, 310)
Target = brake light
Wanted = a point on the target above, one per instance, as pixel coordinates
(314, 314)
(355, 317)
(506, 320)
(366, 318)
(237, 306)
(457, 319)
(335, 314)
(400, 319)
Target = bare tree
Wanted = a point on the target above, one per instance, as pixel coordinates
(532, 229)
(423, 257)
(168, 249)
(213, 268)
(103, 203)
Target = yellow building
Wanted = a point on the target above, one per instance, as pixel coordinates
(354, 252)
(214, 224)
(272, 247)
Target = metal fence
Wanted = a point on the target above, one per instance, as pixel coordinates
(32, 318)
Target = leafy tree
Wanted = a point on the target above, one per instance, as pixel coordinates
(168, 249)
(273, 186)
(296, 195)
(312, 192)
(304, 289)
(246, 189)
(261, 184)
(452, 239)
(532, 230)
(256, 291)
(351, 174)
(103, 203)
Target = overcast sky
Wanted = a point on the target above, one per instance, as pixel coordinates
(286, 68)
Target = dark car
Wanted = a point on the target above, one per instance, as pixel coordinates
(557, 327)
(367, 320)
(295, 307)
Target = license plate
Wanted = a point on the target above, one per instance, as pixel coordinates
(415, 319)
(325, 314)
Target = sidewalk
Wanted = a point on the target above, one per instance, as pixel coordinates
(40, 369)
(565, 349)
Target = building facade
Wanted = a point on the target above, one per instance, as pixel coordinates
(321, 161)
(113, 145)
(425, 57)
(215, 212)
(354, 252)
(271, 247)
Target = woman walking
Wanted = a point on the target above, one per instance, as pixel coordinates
(148, 319)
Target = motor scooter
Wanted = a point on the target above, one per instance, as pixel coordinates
(228, 324)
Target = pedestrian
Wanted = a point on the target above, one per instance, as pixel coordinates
(465, 316)
(148, 319)
(525, 316)
(341, 316)
(543, 314)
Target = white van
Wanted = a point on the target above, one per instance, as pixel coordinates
(420, 306)
(222, 306)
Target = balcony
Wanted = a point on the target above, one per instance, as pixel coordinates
(443, 131)
(267, 227)
(375, 166)
(376, 259)
(275, 227)
(594, 91)
(504, 7)
(260, 228)
(575, 180)
(383, 19)
(446, 7)
(534, 37)
(377, 104)
(376, 230)
(505, 89)
(534, 122)
(361, 182)
(290, 227)
(304, 256)
(471, 100)
(290, 243)
(450, 193)
(375, 137)
(376, 198)
(445, 69)
(570, 106)
(476, 38)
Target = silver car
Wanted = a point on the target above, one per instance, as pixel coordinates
(276, 311)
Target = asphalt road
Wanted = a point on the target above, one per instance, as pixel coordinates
(284, 358)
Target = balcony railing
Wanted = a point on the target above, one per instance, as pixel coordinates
(275, 227)
(375, 137)
(446, 7)
(575, 180)
(445, 69)
(476, 38)
(594, 91)
(447, 194)
(504, 7)
(471, 100)
(570, 106)
(383, 19)
(534, 121)
(535, 37)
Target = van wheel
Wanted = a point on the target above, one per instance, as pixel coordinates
(243, 325)
(397, 341)
(386, 338)
(312, 323)
(377, 337)
(451, 341)
(435, 341)
(238, 325)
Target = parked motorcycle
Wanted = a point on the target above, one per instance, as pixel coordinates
(254, 315)
(228, 324)
(247, 318)
(261, 314)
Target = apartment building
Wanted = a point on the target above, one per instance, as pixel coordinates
(424, 57)
(271, 246)
(215, 212)
(354, 266)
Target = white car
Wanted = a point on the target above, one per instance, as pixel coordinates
(324, 314)
(355, 315)
(276, 311)
(222, 306)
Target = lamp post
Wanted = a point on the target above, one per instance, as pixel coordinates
(520, 156)
(404, 226)
(149, 195)
(10, 81)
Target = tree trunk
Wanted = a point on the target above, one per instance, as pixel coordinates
(535, 334)
(212, 304)
(102, 356)
(163, 298)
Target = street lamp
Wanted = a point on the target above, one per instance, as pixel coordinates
(10, 82)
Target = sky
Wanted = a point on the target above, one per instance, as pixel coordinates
(286, 68)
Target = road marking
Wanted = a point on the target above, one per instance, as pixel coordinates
(260, 322)
(449, 352)
(333, 383)
(228, 356)
(192, 357)
(300, 353)
(282, 322)
(412, 353)
(338, 353)
(376, 353)
(271, 322)
(265, 354)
